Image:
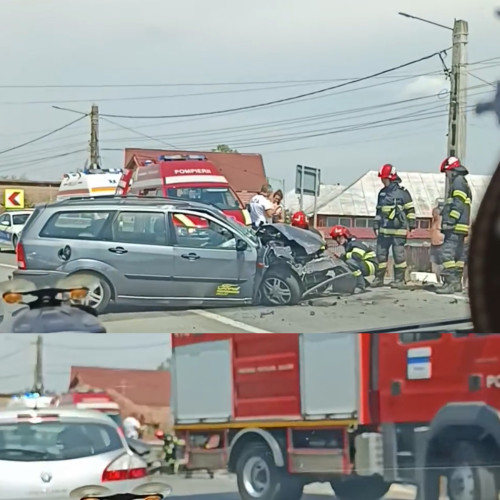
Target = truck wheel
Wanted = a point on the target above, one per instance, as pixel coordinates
(280, 288)
(468, 477)
(259, 479)
(367, 488)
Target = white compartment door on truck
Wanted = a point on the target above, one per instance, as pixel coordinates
(202, 382)
(329, 375)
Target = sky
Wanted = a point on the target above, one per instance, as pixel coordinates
(261, 51)
(60, 352)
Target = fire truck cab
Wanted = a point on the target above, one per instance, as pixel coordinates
(360, 411)
(190, 177)
(91, 400)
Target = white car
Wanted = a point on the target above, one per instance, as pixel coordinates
(11, 225)
(67, 453)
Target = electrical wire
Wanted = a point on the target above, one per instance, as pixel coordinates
(19, 146)
(285, 99)
(40, 160)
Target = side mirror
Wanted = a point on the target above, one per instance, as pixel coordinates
(241, 245)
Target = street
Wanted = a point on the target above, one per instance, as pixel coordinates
(374, 309)
(224, 488)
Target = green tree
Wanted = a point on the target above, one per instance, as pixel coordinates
(223, 148)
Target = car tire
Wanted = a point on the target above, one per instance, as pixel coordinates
(104, 290)
(280, 287)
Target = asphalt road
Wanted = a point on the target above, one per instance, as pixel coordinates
(378, 308)
(224, 488)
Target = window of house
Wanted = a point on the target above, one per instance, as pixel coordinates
(424, 224)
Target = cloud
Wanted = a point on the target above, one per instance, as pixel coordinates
(426, 85)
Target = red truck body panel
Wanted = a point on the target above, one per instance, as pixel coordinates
(397, 380)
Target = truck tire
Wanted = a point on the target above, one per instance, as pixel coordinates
(280, 288)
(468, 477)
(259, 479)
(356, 487)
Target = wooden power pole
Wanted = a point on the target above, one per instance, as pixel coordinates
(94, 137)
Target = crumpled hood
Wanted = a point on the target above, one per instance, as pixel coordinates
(309, 241)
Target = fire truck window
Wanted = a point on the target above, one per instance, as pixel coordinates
(222, 198)
(199, 232)
(409, 338)
(142, 228)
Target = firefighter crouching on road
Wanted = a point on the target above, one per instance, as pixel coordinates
(395, 217)
(360, 258)
(455, 224)
(299, 219)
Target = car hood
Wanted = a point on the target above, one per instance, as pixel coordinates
(309, 241)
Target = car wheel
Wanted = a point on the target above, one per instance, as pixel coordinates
(280, 288)
(100, 297)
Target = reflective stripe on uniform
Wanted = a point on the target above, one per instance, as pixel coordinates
(401, 265)
(455, 214)
(409, 205)
(357, 273)
(461, 228)
(460, 194)
(370, 255)
(411, 216)
(460, 264)
(382, 265)
(449, 264)
(392, 232)
(358, 251)
(371, 268)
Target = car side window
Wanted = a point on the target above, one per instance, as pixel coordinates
(142, 228)
(81, 225)
(196, 231)
(5, 220)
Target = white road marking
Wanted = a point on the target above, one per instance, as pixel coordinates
(9, 266)
(227, 321)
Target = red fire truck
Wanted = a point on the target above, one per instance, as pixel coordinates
(190, 177)
(90, 400)
(360, 411)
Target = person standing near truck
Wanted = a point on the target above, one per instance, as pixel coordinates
(455, 225)
(395, 217)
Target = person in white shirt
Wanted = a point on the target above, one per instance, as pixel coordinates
(261, 207)
(132, 426)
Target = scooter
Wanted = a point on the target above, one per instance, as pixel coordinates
(55, 309)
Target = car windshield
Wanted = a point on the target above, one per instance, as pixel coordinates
(20, 219)
(61, 440)
(220, 197)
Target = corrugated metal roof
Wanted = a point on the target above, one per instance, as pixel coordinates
(360, 199)
(326, 193)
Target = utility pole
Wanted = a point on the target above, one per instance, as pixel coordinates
(457, 120)
(94, 137)
(38, 375)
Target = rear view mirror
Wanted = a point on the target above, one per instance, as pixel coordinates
(241, 245)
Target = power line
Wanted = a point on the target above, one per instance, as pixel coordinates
(19, 146)
(285, 99)
(37, 161)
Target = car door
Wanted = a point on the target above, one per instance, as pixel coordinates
(139, 249)
(207, 263)
(5, 231)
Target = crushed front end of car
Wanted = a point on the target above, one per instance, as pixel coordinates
(297, 266)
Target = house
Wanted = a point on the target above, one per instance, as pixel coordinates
(145, 392)
(244, 171)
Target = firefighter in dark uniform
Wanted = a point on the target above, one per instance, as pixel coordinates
(395, 217)
(455, 224)
(360, 258)
(299, 219)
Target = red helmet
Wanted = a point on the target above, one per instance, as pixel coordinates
(337, 231)
(387, 171)
(299, 219)
(159, 434)
(450, 163)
